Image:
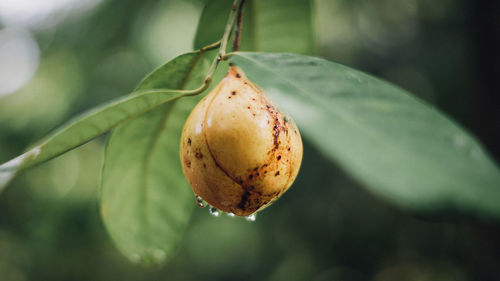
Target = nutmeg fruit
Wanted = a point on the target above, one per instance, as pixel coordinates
(238, 151)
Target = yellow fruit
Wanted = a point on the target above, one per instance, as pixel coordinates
(238, 151)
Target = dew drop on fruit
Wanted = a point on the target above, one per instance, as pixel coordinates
(251, 218)
(200, 202)
(213, 211)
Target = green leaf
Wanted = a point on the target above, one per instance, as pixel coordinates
(399, 147)
(146, 203)
(101, 119)
(268, 25)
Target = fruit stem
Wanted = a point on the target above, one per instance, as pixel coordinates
(222, 48)
(229, 26)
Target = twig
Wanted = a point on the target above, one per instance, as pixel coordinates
(237, 29)
(222, 48)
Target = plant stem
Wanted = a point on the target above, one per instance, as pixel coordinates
(237, 30)
(222, 48)
(229, 27)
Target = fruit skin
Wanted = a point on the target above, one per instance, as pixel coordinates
(238, 151)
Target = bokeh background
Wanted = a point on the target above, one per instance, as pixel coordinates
(60, 57)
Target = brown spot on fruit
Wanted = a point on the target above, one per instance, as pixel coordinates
(279, 157)
(276, 134)
(277, 173)
(244, 199)
(198, 154)
(189, 141)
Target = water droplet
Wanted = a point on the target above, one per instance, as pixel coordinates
(200, 202)
(159, 255)
(251, 217)
(230, 215)
(135, 258)
(213, 211)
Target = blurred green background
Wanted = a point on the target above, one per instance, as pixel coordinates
(59, 57)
